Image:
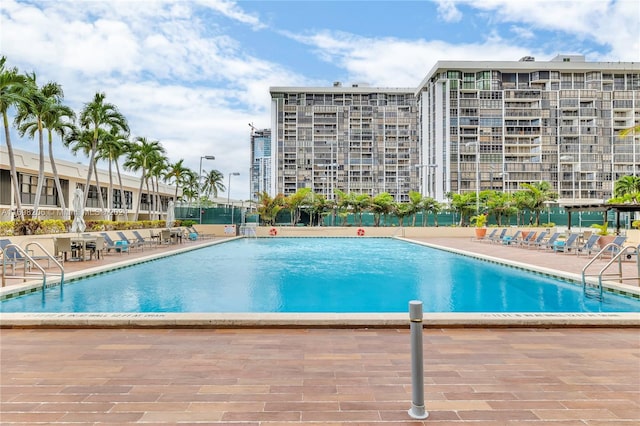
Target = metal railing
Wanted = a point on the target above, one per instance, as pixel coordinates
(28, 262)
(618, 254)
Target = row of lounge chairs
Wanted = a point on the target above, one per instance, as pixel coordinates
(543, 241)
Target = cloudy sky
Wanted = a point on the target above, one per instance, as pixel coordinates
(194, 73)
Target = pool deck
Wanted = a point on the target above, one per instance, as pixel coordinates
(572, 376)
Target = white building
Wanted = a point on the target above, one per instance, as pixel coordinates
(74, 175)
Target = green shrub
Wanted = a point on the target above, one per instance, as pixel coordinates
(6, 229)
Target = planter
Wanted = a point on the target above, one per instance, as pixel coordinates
(481, 232)
(605, 239)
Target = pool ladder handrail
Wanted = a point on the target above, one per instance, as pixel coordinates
(29, 261)
(618, 253)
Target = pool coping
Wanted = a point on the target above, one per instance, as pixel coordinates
(310, 320)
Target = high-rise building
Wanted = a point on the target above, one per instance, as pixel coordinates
(260, 173)
(469, 126)
(356, 139)
(495, 125)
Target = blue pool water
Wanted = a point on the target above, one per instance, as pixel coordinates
(317, 275)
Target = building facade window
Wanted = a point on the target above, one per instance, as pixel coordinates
(29, 187)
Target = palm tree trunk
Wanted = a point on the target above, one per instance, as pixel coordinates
(158, 203)
(122, 197)
(88, 181)
(12, 166)
(56, 178)
(110, 193)
(100, 200)
(148, 198)
(139, 203)
(36, 201)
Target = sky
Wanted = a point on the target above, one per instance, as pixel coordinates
(193, 74)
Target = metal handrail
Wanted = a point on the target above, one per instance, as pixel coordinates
(26, 258)
(49, 257)
(626, 251)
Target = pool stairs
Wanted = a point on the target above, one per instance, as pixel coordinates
(618, 255)
(30, 260)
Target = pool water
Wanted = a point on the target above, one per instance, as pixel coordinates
(339, 275)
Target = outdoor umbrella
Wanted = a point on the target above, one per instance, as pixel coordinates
(171, 214)
(78, 224)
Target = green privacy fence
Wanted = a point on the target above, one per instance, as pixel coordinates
(222, 215)
(210, 215)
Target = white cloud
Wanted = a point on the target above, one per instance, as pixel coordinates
(522, 32)
(612, 23)
(448, 12)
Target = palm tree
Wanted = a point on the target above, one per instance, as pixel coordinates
(98, 115)
(403, 210)
(30, 120)
(464, 204)
(83, 141)
(320, 206)
(539, 193)
(12, 93)
(213, 182)
(268, 208)
(500, 204)
(190, 188)
(415, 200)
(142, 156)
(178, 172)
(626, 185)
(295, 201)
(158, 170)
(115, 144)
(381, 204)
(59, 120)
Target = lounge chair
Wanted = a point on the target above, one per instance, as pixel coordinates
(510, 239)
(535, 241)
(498, 237)
(130, 243)
(571, 243)
(11, 256)
(14, 256)
(549, 243)
(591, 245)
(526, 238)
(141, 240)
(615, 246)
(109, 244)
(487, 237)
(194, 232)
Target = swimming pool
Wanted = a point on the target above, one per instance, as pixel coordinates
(342, 275)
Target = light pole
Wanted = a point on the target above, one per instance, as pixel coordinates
(206, 157)
(229, 192)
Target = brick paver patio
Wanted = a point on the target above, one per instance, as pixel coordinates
(473, 376)
(319, 376)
